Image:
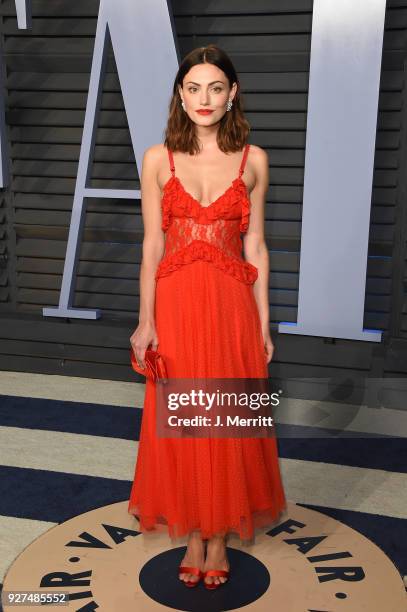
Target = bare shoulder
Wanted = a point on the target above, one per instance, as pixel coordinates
(155, 162)
(259, 159)
(155, 153)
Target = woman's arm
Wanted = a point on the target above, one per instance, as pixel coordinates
(153, 239)
(254, 244)
(152, 252)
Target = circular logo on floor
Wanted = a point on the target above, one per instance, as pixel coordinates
(308, 562)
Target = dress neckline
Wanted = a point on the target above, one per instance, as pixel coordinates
(224, 194)
(218, 199)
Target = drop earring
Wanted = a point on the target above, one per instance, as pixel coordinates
(229, 105)
(183, 104)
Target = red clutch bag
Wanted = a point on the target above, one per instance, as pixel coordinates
(155, 365)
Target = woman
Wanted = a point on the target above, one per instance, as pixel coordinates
(205, 309)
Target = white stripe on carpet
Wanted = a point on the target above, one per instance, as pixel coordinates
(16, 535)
(310, 482)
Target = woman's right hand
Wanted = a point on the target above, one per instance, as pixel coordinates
(142, 336)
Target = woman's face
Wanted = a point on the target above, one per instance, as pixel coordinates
(205, 86)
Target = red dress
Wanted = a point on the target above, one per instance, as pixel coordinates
(208, 325)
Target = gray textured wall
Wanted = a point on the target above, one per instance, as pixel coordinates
(46, 78)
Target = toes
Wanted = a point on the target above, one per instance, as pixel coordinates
(188, 577)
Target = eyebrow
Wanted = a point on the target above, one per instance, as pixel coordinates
(212, 83)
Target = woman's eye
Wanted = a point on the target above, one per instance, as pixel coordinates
(193, 89)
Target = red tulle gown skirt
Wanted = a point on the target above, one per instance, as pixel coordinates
(208, 325)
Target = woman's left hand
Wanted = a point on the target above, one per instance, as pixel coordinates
(268, 344)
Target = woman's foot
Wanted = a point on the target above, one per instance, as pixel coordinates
(194, 556)
(216, 559)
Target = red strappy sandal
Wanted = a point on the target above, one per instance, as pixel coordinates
(213, 585)
(183, 569)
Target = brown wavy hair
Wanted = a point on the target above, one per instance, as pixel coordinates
(233, 129)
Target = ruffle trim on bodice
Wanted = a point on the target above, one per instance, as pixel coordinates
(241, 269)
(234, 199)
(241, 191)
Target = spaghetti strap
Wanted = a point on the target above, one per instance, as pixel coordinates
(242, 165)
(171, 158)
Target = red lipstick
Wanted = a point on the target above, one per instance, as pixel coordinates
(204, 111)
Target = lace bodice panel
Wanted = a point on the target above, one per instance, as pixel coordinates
(211, 233)
(222, 233)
